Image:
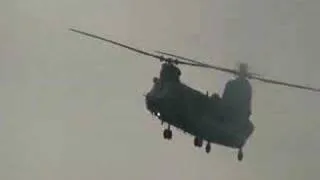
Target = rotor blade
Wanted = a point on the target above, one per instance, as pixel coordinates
(134, 49)
(115, 43)
(197, 62)
(251, 75)
(200, 63)
(187, 59)
(285, 84)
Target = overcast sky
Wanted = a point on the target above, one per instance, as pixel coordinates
(72, 107)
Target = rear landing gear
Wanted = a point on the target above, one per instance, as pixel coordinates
(208, 148)
(240, 154)
(197, 142)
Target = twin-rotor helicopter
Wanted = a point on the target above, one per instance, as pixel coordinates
(217, 120)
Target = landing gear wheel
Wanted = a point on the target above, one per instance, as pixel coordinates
(198, 142)
(240, 155)
(167, 134)
(208, 148)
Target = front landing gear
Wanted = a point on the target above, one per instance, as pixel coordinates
(167, 133)
(240, 154)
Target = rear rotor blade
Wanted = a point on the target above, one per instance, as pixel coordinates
(285, 84)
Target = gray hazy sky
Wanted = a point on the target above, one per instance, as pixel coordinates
(72, 107)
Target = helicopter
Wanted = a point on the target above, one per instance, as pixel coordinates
(204, 117)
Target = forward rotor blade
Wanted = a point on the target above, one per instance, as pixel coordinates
(200, 63)
(285, 84)
(134, 49)
(115, 43)
(250, 76)
(195, 63)
(180, 57)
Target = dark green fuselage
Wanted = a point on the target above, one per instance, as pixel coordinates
(197, 114)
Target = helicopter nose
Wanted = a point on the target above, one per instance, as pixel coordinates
(151, 103)
(150, 99)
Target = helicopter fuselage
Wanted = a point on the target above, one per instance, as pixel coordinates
(197, 114)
